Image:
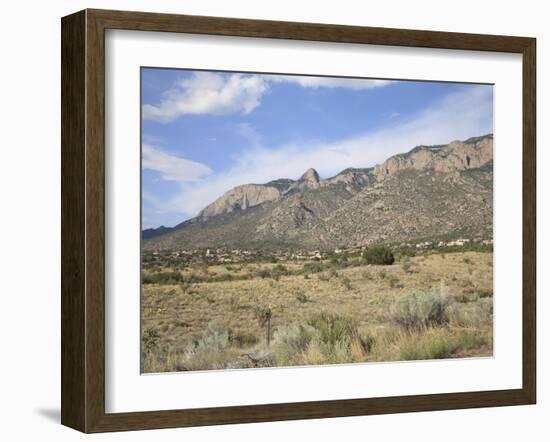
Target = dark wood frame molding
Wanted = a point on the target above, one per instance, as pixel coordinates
(83, 217)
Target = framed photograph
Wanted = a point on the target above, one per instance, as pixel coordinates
(267, 220)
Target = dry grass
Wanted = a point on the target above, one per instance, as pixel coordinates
(427, 308)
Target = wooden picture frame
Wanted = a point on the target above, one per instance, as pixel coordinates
(83, 220)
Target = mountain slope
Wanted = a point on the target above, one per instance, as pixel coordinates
(430, 192)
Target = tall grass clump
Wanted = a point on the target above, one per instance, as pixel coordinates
(325, 338)
(433, 343)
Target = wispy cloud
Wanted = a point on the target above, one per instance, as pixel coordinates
(171, 167)
(251, 135)
(213, 93)
(460, 115)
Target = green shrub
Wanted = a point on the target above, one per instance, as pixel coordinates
(419, 310)
(221, 278)
(150, 339)
(344, 261)
(146, 278)
(279, 270)
(162, 278)
(466, 297)
(313, 267)
(485, 293)
(243, 339)
(211, 351)
(185, 286)
(379, 255)
(264, 273)
(213, 339)
(290, 342)
(192, 278)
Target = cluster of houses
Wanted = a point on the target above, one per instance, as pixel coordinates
(460, 242)
(219, 255)
(232, 256)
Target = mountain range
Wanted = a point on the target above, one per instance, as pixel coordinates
(429, 193)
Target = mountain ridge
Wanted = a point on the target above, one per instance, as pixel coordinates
(309, 211)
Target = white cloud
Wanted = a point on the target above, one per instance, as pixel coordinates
(170, 167)
(208, 93)
(330, 82)
(460, 115)
(212, 93)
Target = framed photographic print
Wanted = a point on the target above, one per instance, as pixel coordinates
(270, 220)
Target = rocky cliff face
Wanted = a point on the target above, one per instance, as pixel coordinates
(241, 198)
(430, 192)
(351, 178)
(454, 157)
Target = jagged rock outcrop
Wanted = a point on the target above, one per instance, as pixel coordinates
(250, 195)
(309, 180)
(241, 198)
(351, 178)
(454, 157)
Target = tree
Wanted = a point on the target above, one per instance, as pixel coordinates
(379, 255)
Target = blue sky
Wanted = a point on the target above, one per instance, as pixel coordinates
(203, 133)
